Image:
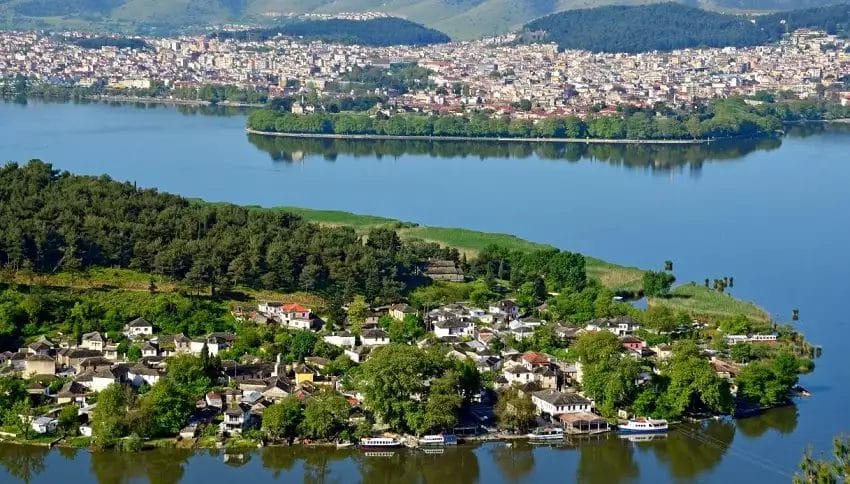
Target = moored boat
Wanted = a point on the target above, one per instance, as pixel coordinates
(546, 434)
(438, 439)
(379, 443)
(643, 425)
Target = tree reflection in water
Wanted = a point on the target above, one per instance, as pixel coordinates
(159, 466)
(782, 419)
(606, 459)
(23, 462)
(691, 449)
(654, 157)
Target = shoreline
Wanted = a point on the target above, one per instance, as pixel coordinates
(497, 139)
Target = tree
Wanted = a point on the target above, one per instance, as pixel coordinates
(69, 420)
(443, 404)
(325, 415)
(20, 417)
(389, 378)
(357, 311)
(109, 418)
(515, 410)
(657, 284)
(693, 385)
(189, 374)
(166, 408)
(282, 420)
(823, 471)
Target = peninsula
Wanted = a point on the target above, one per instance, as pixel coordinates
(191, 323)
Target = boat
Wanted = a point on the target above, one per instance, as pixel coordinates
(343, 444)
(380, 443)
(643, 425)
(546, 433)
(438, 439)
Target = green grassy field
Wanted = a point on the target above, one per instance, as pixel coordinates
(696, 300)
(709, 304)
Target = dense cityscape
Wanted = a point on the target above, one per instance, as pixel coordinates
(494, 74)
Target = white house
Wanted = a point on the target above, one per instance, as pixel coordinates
(102, 378)
(374, 337)
(290, 315)
(555, 403)
(454, 327)
(92, 341)
(138, 328)
(139, 374)
(44, 424)
(507, 309)
(343, 339)
(236, 419)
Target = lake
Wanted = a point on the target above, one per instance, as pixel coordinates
(774, 214)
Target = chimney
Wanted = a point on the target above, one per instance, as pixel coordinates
(276, 371)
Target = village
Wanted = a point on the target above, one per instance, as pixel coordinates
(62, 373)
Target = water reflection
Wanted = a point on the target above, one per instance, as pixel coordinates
(452, 465)
(160, 466)
(607, 459)
(654, 157)
(782, 419)
(23, 462)
(514, 462)
(693, 448)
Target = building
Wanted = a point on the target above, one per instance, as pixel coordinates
(399, 311)
(343, 339)
(454, 327)
(39, 365)
(374, 337)
(138, 327)
(554, 403)
(92, 341)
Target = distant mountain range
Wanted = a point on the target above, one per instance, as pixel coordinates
(461, 19)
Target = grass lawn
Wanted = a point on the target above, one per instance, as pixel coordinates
(614, 277)
(468, 241)
(710, 304)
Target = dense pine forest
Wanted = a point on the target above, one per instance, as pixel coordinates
(377, 32)
(55, 221)
(670, 26)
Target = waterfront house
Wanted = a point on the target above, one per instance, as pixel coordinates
(237, 418)
(44, 424)
(554, 403)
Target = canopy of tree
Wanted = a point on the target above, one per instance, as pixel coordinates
(671, 26)
(377, 32)
(721, 118)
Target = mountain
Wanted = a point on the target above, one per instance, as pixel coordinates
(669, 26)
(461, 19)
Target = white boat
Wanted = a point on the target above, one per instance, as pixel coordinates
(343, 445)
(546, 433)
(379, 443)
(438, 439)
(643, 425)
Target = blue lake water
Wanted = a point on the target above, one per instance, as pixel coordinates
(774, 214)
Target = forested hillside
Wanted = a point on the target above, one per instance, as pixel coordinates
(460, 19)
(670, 26)
(374, 32)
(60, 222)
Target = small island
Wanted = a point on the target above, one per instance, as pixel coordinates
(757, 116)
(131, 318)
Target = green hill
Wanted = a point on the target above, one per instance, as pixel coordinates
(669, 26)
(460, 19)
